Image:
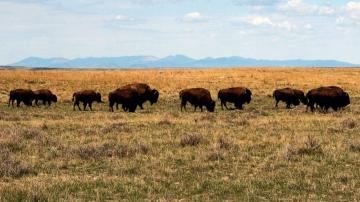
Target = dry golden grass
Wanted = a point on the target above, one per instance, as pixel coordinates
(260, 153)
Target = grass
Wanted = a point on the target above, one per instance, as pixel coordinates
(159, 153)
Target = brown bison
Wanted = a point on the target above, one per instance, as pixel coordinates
(145, 93)
(87, 97)
(21, 95)
(290, 96)
(326, 97)
(128, 97)
(45, 95)
(198, 97)
(236, 95)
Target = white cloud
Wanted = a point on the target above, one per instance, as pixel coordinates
(193, 17)
(297, 6)
(257, 20)
(308, 26)
(352, 9)
(265, 21)
(326, 10)
(353, 6)
(123, 18)
(303, 8)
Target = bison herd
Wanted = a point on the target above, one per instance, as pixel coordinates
(135, 95)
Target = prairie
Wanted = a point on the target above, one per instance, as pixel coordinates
(159, 153)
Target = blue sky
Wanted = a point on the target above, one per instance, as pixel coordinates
(267, 29)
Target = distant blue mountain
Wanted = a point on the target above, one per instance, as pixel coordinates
(172, 61)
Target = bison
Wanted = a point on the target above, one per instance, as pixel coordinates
(87, 97)
(145, 93)
(198, 97)
(128, 97)
(21, 95)
(236, 95)
(290, 96)
(326, 97)
(45, 95)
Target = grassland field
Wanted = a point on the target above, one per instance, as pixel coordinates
(159, 153)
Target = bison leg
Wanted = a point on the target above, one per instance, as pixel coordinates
(132, 108)
(125, 108)
(183, 105)
(85, 104)
(111, 106)
(18, 103)
(90, 106)
(10, 100)
(141, 106)
(117, 106)
(201, 108)
(277, 103)
(49, 103)
(78, 104)
(44, 102)
(239, 106)
(222, 105)
(225, 104)
(195, 106)
(288, 105)
(312, 108)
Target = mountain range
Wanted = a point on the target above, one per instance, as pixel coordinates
(172, 61)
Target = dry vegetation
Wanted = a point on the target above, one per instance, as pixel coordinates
(261, 153)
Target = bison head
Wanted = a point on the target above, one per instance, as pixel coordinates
(154, 96)
(98, 97)
(211, 106)
(345, 99)
(248, 96)
(296, 101)
(54, 98)
(304, 100)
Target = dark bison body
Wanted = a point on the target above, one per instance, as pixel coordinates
(128, 97)
(21, 95)
(290, 96)
(198, 97)
(145, 93)
(236, 95)
(87, 97)
(328, 97)
(44, 95)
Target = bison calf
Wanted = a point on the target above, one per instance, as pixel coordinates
(290, 96)
(87, 97)
(128, 97)
(198, 97)
(236, 95)
(45, 95)
(21, 95)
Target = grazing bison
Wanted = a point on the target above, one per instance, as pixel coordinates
(145, 93)
(236, 95)
(198, 97)
(326, 97)
(290, 96)
(128, 97)
(45, 95)
(87, 97)
(21, 95)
